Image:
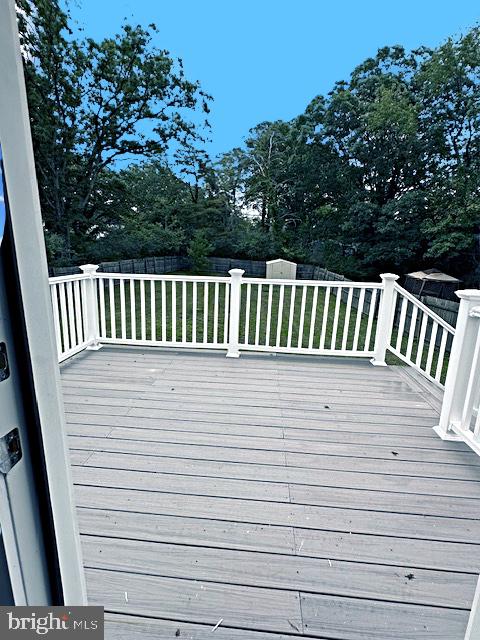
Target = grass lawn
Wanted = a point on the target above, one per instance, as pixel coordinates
(279, 315)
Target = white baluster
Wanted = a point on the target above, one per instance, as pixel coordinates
(247, 311)
(184, 312)
(269, 315)
(143, 317)
(215, 313)
(326, 308)
(111, 298)
(78, 312)
(358, 320)
(133, 312)
(313, 317)
(123, 317)
(153, 317)
(56, 319)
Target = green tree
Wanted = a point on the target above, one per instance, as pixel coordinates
(199, 250)
(449, 84)
(92, 103)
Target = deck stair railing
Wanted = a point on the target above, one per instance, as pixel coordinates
(378, 320)
(419, 337)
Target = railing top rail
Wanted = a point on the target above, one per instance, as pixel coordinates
(167, 278)
(406, 294)
(70, 278)
(346, 284)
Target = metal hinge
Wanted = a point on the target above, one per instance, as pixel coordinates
(4, 369)
(10, 451)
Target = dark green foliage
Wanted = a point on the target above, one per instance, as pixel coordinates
(381, 174)
(91, 104)
(199, 249)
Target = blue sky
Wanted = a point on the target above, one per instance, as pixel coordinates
(266, 59)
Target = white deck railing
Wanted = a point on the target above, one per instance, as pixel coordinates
(420, 337)
(69, 304)
(460, 417)
(234, 313)
(287, 316)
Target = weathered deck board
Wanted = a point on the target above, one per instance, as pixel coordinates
(285, 572)
(236, 405)
(388, 502)
(354, 619)
(192, 531)
(122, 627)
(424, 554)
(393, 466)
(282, 514)
(278, 443)
(206, 602)
(287, 495)
(292, 475)
(328, 433)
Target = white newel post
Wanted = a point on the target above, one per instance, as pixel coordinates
(462, 359)
(385, 319)
(234, 315)
(91, 306)
(473, 627)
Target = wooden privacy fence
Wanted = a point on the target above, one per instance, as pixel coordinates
(446, 309)
(216, 266)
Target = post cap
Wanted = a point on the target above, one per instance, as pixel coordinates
(236, 272)
(389, 276)
(468, 294)
(89, 268)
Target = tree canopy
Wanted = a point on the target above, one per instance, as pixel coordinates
(383, 173)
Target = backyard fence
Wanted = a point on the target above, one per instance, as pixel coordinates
(216, 266)
(446, 309)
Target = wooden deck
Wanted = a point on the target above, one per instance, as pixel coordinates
(275, 496)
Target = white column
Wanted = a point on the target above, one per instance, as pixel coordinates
(234, 319)
(385, 319)
(30, 259)
(460, 364)
(91, 305)
(473, 627)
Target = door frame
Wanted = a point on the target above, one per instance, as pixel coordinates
(29, 296)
